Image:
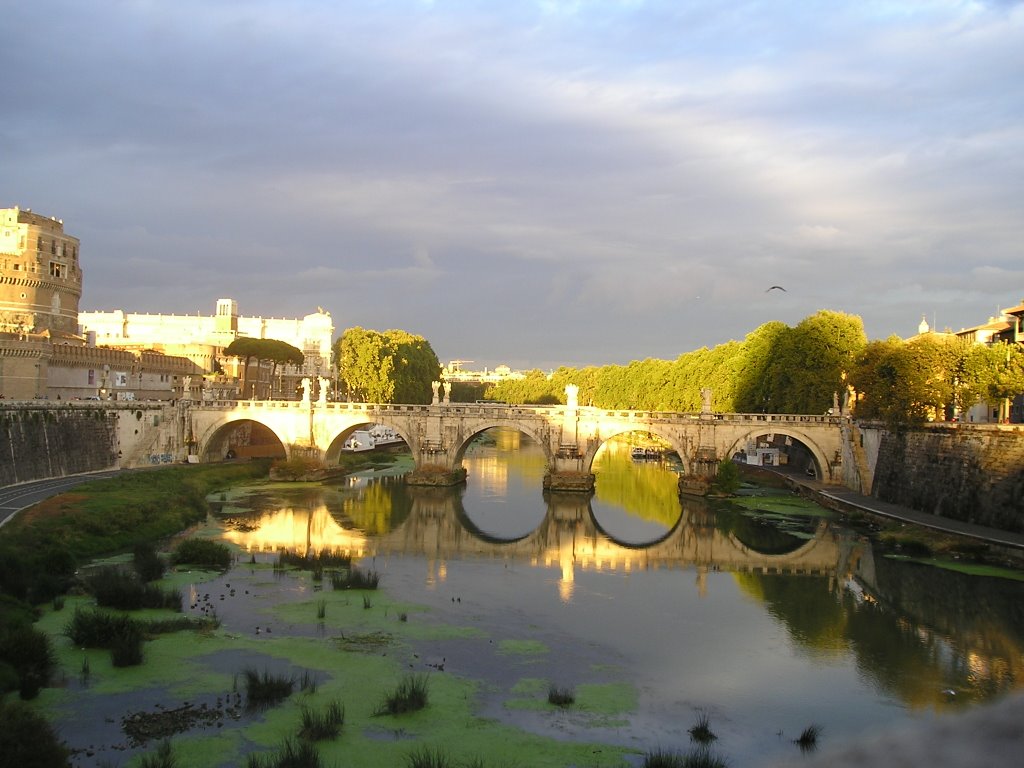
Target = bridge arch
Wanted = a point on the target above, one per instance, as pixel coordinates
(624, 429)
(821, 461)
(215, 442)
(482, 426)
(333, 451)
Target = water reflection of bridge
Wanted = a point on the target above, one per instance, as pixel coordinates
(438, 528)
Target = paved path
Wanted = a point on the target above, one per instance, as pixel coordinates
(15, 498)
(844, 497)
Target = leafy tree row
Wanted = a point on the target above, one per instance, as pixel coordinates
(933, 376)
(782, 369)
(775, 369)
(386, 366)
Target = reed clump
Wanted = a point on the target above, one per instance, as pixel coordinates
(322, 725)
(411, 695)
(265, 690)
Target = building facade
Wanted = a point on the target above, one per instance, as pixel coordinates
(41, 353)
(40, 276)
(203, 338)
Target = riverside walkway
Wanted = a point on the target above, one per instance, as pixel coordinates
(846, 500)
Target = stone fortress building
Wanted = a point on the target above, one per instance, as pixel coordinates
(40, 277)
(202, 339)
(48, 349)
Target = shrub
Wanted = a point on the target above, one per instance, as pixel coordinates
(312, 561)
(29, 653)
(295, 468)
(728, 478)
(126, 650)
(410, 696)
(354, 578)
(808, 740)
(115, 588)
(561, 697)
(27, 740)
(202, 552)
(317, 726)
(701, 731)
(424, 757)
(265, 690)
(162, 758)
(149, 566)
(698, 758)
(100, 629)
(301, 754)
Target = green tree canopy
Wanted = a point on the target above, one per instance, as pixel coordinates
(274, 351)
(391, 366)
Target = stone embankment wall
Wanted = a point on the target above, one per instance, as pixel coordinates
(963, 472)
(39, 441)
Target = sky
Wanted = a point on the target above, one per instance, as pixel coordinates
(531, 183)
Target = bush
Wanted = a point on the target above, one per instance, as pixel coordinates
(425, 757)
(293, 754)
(561, 697)
(354, 578)
(162, 758)
(202, 552)
(149, 566)
(27, 740)
(728, 478)
(114, 588)
(99, 629)
(322, 725)
(127, 650)
(313, 561)
(28, 652)
(410, 696)
(265, 690)
(295, 468)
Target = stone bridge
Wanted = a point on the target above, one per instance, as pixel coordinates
(439, 434)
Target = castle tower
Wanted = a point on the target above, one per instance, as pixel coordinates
(40, 276)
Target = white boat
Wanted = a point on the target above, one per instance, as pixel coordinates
(378, 436)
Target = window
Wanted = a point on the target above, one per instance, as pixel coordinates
(58, 270)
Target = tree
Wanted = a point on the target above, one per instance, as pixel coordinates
(271, 350)
(902, 382)
(811, 362)
(386, 367)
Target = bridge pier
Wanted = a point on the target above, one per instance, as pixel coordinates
(569, 482)
(435, 475)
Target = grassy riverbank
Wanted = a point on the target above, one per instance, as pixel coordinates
(43, 547)
(191, 683)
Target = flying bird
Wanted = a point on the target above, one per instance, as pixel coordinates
(776, 288)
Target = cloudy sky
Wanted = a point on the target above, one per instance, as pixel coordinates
(536, 183)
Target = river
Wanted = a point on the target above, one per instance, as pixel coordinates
(766, 616)
(762, 614)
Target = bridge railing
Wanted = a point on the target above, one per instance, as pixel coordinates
(504, 410)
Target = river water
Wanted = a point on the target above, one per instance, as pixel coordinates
(765, 614)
